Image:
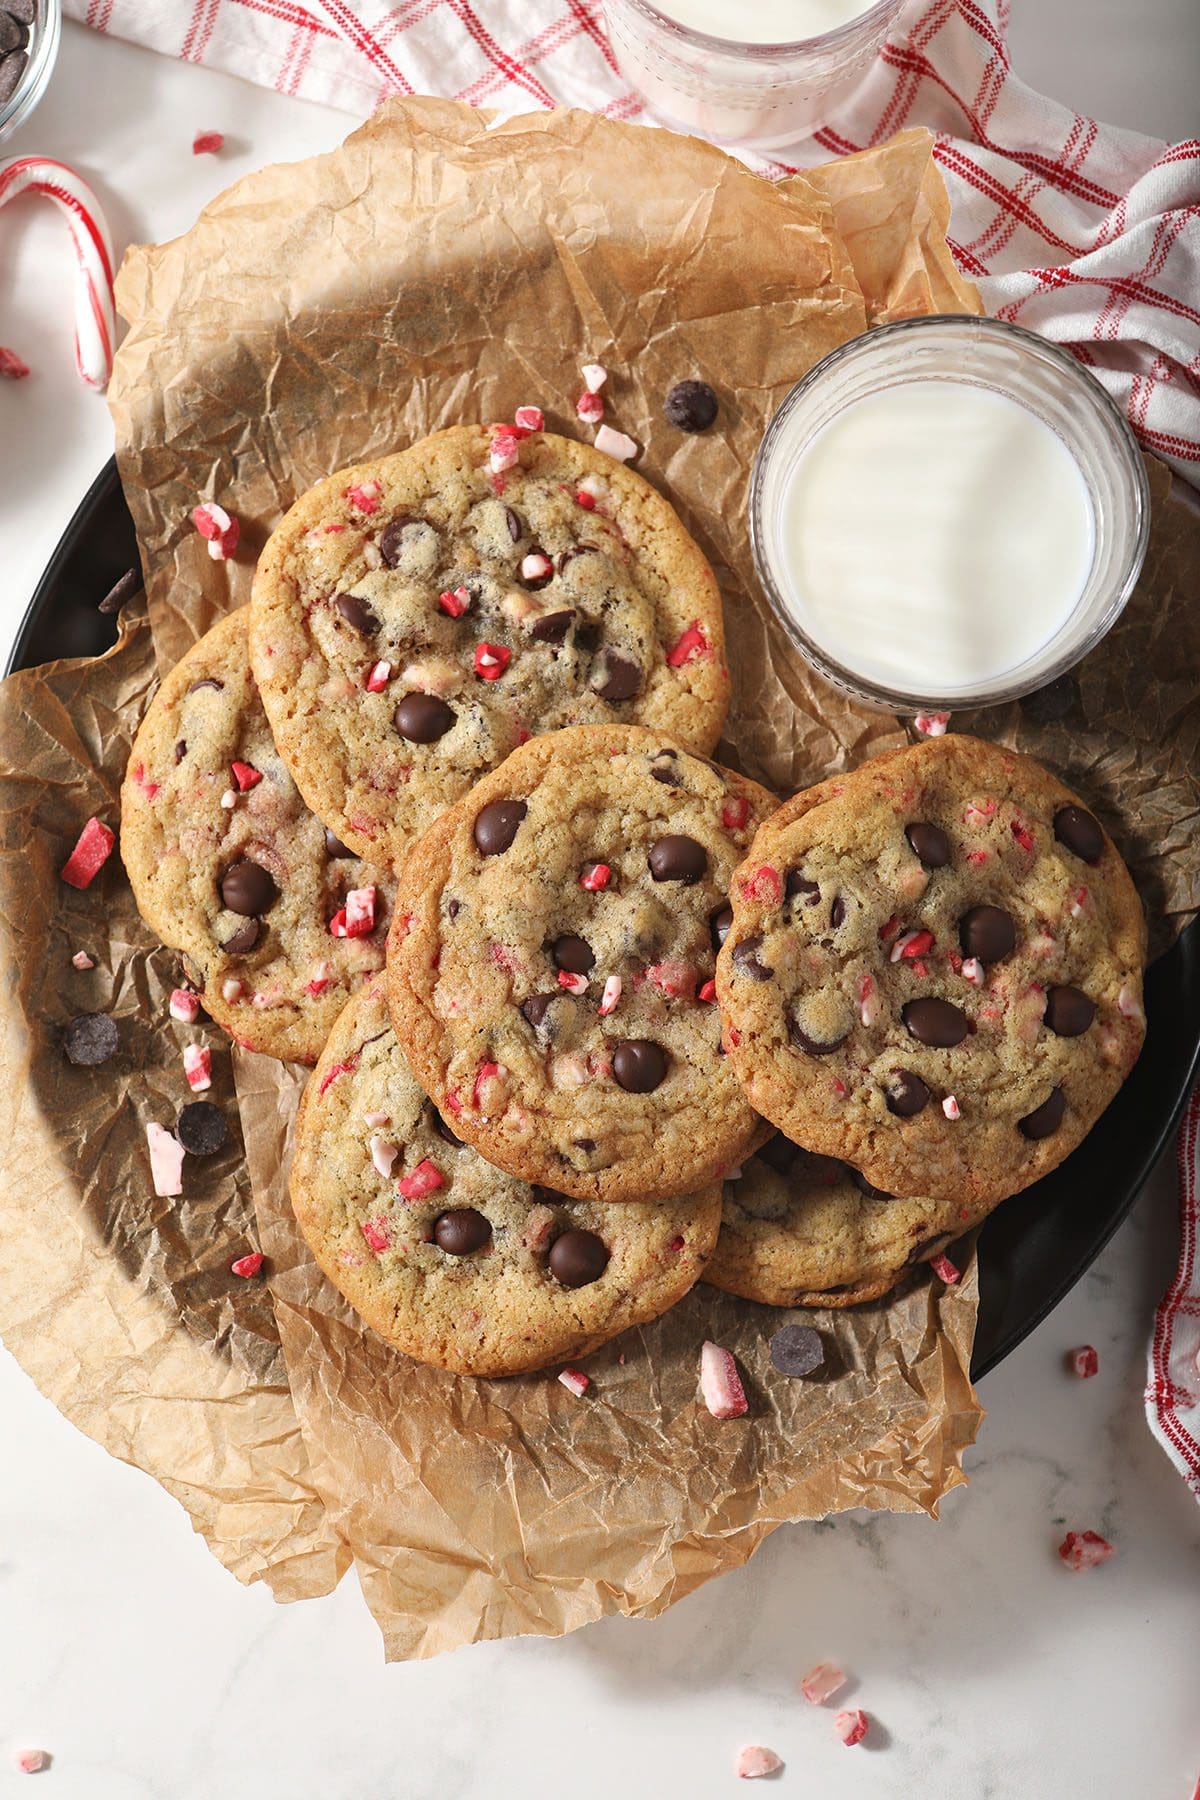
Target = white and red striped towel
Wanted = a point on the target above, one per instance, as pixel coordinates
(1085, 233)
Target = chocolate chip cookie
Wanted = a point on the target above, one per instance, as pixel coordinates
(805, 1230)
(417, 618)
(448, 1259)
(278, 921)
(551, 964)
(935, 971)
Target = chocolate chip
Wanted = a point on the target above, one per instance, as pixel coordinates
(639, 1065)
(334, 845)
(810, 1045)
(837, 912)
(244, 938)
(535, 1008)
(620, 677)
(678, 858)
(248, 888)
(906, 1094)
(533, 584)
(863, 1185)
(357, 613)
(453, 908)
(577, 1258)
(574, 954)
(515, 528)
(929, 844)
(574, 550)
(209, 681)
(423, 718)
(935, 1022)
(12, 35)
(719, 921)
(1045, 1119)
(745, 959)
(443, 1130)
(690, 405)
(797, 886)
(797, 1350)
(552, 627)
(461, 1231)
(1069, 1011)
(497, 825)
(390, 541)
(22, 10)
(202, 1128)
(1080, 832)
(587, 1145)
(180, 751)
(12, 67)
(90, 1039)
(123, 589)
(779, 1153)
(1047, 705)
(987, 933)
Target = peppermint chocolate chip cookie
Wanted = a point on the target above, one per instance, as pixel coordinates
(805, 1230)
(278, 920)
(449, 1260)
(551, 964)
(935, 971)
(417, 618)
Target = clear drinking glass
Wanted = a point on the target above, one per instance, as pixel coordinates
(764, 96)
(43, 52)
(1011, 362)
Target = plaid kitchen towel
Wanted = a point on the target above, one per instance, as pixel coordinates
(1173, 1387)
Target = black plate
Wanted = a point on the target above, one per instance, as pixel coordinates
(1036, 1247)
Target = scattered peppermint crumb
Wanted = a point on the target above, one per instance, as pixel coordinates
(81, 960)
(12, 368)
(575, 1381)
(851, 1727)
(207, 143)
(594, 376)
(31, 1762)
(756, 1760)
(1085, 1549)
(247, 1266)
(945, 1270)
(1084, 1361)
(720, 1384)
(822, 1682)
(615, 444)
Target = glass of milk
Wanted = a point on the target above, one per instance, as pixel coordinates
(947, 512)
(763, 73)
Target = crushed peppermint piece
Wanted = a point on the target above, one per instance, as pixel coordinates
(219, 529)
(585, 499)
(248, 1265)
(610, 996)
(231, 990)
(851, 1727)
(822, 1682)
(529, 418)
(30, 1762)
(491, 660)
(207, 143)
(246, 776)
(1022, 834)
(536, 567)
(91, 852)
(426, 1178)
(868, 1000)
(1085, 1550)
(576, 1382)
(932, 724)
(615, 444)
(595, 876)
(377, 1234)
(707, 991)
(81, 960)
(166, 1160)
(321, 977)
(503, 453)
(486, 1073)
(1129, 1006)
(735, 813)
(376, 1120)
(1084, 1362)
(764, 884)
(945, 1270)
(594, 376)
(454, 601)
(378, 676)
(229, 799)
(951, 1108)
(197, 1066)
(184, 1005)
(364, 496)
(972, 971)
(909, 945)
(690, 645)
(360, 912)
(755, 1760)
(383, 1155)
(720, 1384)
(590, 407)
(574, 984)
(12, 367)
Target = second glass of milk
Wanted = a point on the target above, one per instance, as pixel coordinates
(946, 513)
(763, 73)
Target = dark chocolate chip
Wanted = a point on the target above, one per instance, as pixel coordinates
(453, 908)
(390, 541)
(90, 1039)
(988, 933)
(515, 528)
(23, 11)
(779, 1153)
(423, 718)
(209, 681)
(535, 1008)
(929, 844)
(1069, 1011)
(12, 67)
(244, 938)
(587, 637)
(533, 584)
(639, 1065)
(813, 1046)
(552, 627)
(690, 405)
(1047, 705)
(864, 1186)
(745, 959)
(668, 777)
(719, 921)
(574, 550)
(935, 1022)
(443, 1130)
(123, 589)
(797, 1350)
(248, 888)
(11, 35)
(357, 613)
(1045, 1119)
(202, 1128)
(180, 751)
(587, 1145)
(837, 912)
(461, 1231)
(574, 954)
(577, 1258)
(797, 886)
(678, 858)
(906, 1094)
(620, 677)
(497, 825)
(334, 845)
(1080, 832)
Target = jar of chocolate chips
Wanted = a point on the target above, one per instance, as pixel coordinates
(29, 34)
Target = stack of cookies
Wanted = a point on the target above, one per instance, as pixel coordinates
(632, 1023)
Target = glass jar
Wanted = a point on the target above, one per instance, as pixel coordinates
(44, 35)
(1013, 364)
(762, 96)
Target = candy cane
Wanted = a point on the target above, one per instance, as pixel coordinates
(95, 316)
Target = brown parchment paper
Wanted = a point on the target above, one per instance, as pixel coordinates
(435, 269)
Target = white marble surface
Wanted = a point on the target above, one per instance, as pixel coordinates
(990, 1671)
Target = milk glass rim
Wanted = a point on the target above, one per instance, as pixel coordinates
(853, 28)
(35, 77)
(1127, 455)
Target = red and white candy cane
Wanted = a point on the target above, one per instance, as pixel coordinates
(95, 315)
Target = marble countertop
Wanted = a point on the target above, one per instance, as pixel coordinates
(989, 1671)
